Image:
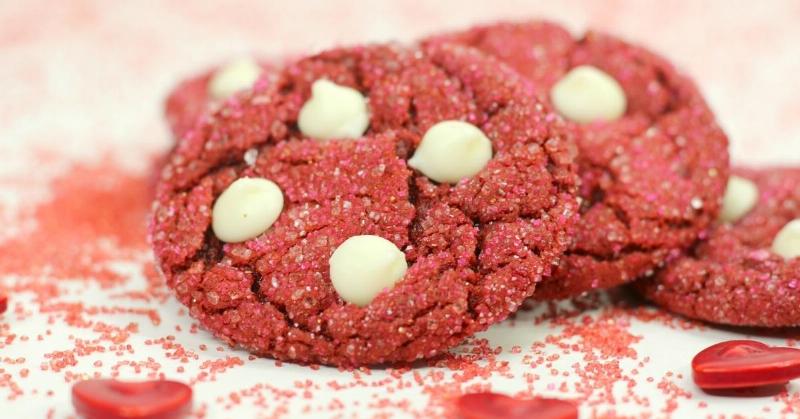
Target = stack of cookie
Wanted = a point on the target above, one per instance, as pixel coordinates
(379, 204)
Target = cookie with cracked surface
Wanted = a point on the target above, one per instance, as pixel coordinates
(653, 161)
(747, 273)
(340, 247)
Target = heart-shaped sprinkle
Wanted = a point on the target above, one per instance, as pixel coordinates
(744, 363)
(112, 399)
(3, 303)
(500, 406)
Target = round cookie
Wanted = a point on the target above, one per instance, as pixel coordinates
(653, 162)
(199, 95)
(747, 272)
(474, 249)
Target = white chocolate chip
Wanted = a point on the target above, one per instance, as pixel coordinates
(333, 111)
(363, 266)
(787, 242)
(451, 151)
(236, 76)
(740, 197)
(588, 94)
(247, 208)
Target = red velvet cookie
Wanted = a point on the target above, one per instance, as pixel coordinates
(199, 95)
(748, 271)
(653, 161)
(452, 256)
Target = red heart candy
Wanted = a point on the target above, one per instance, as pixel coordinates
(744, 363)
(112, 399)
(3, 303)
(500, 406)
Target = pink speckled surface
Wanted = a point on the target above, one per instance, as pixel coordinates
(82, 85)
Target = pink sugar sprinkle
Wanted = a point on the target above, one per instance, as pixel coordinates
(585, 351)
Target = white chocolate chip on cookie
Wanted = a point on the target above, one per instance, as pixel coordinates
(740, 197)
(247, 208)
(363, 266)
(333, 111)
(451, 151)
(787, 242)
(236, 76)
(588, 94)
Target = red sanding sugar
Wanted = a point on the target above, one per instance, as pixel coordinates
(95, 215)
(589, 350)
